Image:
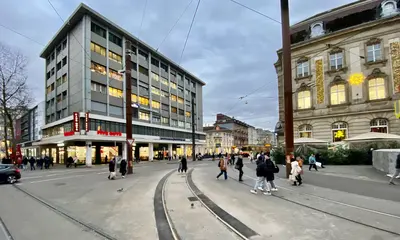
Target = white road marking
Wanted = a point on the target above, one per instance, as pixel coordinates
(54, 179)
(102, 172)
(340, 203)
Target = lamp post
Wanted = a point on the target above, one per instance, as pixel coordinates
(287, 83)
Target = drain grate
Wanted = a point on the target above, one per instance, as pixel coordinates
(193, 199)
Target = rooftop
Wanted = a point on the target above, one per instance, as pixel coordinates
(83, 10)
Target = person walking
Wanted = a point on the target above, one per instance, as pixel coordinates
(111, 168)
(75, 161)
(32, 163)
(397, 172)
(222, 164)
(270, 170)
(261, 172)
(312, 162)
(239, 167)
(122, 167)
(295, 173)
(318, 158)
(184, 164)
(25, 163)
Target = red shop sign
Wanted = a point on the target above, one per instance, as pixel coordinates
(106, 133)
(76, 122)
(70, 133)
(87, 123)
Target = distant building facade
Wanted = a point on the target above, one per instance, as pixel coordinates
(218, 140)
(239, 129)
(252, 136)
(346, 72)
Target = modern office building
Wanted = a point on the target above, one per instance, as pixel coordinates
(85, 94)
(29, 129)
(218, 140)
(346, 71)
(239, 129)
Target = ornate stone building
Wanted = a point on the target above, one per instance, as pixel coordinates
(346, 71)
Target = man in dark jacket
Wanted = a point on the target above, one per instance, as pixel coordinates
(261, 172)
(239, 167)
(184, 164)
(111, 167)
(397, 172)
(122, 167)
(270, 170)
(32, 163)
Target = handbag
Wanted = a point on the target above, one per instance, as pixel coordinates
(276, 170)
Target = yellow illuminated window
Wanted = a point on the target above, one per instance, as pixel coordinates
(180, 100)
(115, 92)
(97, 49)
(155, 104)
(164, 81)
(304, 100)
(376, 89)
(95, 67)
(188, 114)
(174, 109)
(114, 74)
(144, 116)
(134, 97)
(155, 90)
(115, 57)
(338, 94)
(154, 77)
(143, 101)
(173, 97)
(172, 85)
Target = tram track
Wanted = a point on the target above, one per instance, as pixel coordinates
(86, 226)
(5, 230)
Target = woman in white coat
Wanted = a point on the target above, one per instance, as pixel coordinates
(295, 173)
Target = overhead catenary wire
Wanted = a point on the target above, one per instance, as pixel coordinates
(255, 11)
(190, 29)
(143, 14)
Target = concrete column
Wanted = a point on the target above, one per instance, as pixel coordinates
(151, 152)
(125, 150)
(88, 154)
(185, 150)
(170, 150)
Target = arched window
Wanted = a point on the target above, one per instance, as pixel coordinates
(389, 7)
(317, 29)
(339, 131)
(376, 88)
(379, 125)
(304, 99)
(338, 94)
(305, 131)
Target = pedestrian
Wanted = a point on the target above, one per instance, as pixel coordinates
(239, 167)
(180, 166)
(70, 160)
(111, 168)
(184, 164)
(122, 168)
(312, 162)
(261, 172)
(46, 162)
(320, 160)
(25, 163)
(106, 159)
(294, 173)
(222, 164)
(271, 168)
(41, 160)
(32, 163)
(397, 172)
(75, 161)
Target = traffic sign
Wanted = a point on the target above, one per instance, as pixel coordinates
(131, 141)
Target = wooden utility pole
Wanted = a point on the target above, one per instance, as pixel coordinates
(287, 83)
(193, 131)
(128, 106)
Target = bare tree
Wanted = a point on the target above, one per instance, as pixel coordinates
(14, 93)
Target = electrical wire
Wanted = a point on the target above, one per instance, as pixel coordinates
(173, 26)
(255, 11)
(143, 14)
(190, 29)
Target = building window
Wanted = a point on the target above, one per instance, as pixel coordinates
(143, 71)
(59, 98)
(173, 97)
(188, 125)
(114, 74)
(154, 77)
(143, 101)
(389, 8)
(115, 111)
(143, 54)
(144, 116)
(376, 89)
(336, 60)
(164, 67)
(338, 94)
(164, 93)
(317, 29)
(304, 99)
(58, 66)
(180, 90)
(172, 85)
(174, 110)
(98, 30)
(115, 92)
(97, 49)
(164, 120)
(64, 61)
(154, 62)
(164, 81)
(379, 125)
(95, 67)
(187, 92)
(155, 90)
(115, 57)
(181, 112)
(180, 100)
(134, 97)
(339, 131)
(187, 114)
(98, 87)
(302, 69)
(156, 119)
(374, 52)
(174, 123)
(305, 131)
(181, 124)
(165, 107)
(113, 38)
(155, 104)
(58, 82)
(64, 78)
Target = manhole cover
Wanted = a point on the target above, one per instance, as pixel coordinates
(59, 184)
(193, 199)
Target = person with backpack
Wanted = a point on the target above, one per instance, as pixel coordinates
(239, 166)
(271, 168)
(261, 172)
(397, 172)
(222, 164)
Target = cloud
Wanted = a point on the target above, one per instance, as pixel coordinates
(230, 48)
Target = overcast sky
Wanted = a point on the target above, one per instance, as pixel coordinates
(230, 48)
